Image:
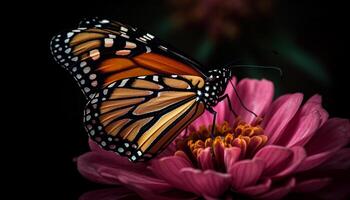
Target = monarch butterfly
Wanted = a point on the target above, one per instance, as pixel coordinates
(141, 92)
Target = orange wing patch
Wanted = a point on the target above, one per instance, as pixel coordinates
(129, 92)
(165, 121)
(161, 101)
(146, 85)
(186, 120)
(176, 83)
(143, 65)
(110, 105)
(165, 65)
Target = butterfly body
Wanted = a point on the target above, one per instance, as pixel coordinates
(141, 92)
(215, 86)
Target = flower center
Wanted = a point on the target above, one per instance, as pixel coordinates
(248, 137)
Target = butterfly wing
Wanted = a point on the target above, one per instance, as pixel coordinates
(101, 52)
(137, 117)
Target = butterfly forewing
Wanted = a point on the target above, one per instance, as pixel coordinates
(101, 52)
(137, 117)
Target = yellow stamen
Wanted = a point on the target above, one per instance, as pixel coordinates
(248, 137)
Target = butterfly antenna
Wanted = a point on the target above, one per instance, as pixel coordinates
(259, 67)
(240, 100)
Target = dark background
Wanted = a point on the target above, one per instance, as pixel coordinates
(317, 28)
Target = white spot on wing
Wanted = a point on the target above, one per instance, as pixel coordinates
(86, 70)
(123, 83)
(94, 54)
(92, 76)
(162, 47)
(120, 150)
(122, 52)
(155, 78)
(112, 36)
(130, 45)
(141, 40)
(125, 36)
(105, 91)
(108, 42)
(149, 35)
(105, 21)
(122, 28)
(111, 85)
(83, 64)
(70, 34)
(68, 50)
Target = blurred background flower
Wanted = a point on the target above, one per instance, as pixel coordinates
(220, 19)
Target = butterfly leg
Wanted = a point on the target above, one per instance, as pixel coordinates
(240, 100)
(212, 111)
(229, 103)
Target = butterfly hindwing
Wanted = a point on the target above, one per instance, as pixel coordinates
(101, 52)
(137, 117)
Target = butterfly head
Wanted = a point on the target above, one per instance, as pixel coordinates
(215, 85)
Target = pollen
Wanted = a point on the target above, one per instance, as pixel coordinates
(248, 137)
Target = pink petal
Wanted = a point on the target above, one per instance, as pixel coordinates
(332, 136)
(205, 159)
(334, 133)
(279, 115)
(204, 120)
(136, 181)
(178, 172)
(205, 183)
(279, 192)
(168, 169)
(168, 195)
(313, 161)
(315, 104)
(120, 193)
(95, 147)
(245, 173)
(301, 129)
(304, 124)
(256, 95)
(90, 171)
(168, 151)
(123, 193)
(339, 161)
(299, 155)
(231, 155)
(91, 163)
(256, 189)
(275, 158)
(311, 185)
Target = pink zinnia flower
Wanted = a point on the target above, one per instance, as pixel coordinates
(284, 150)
